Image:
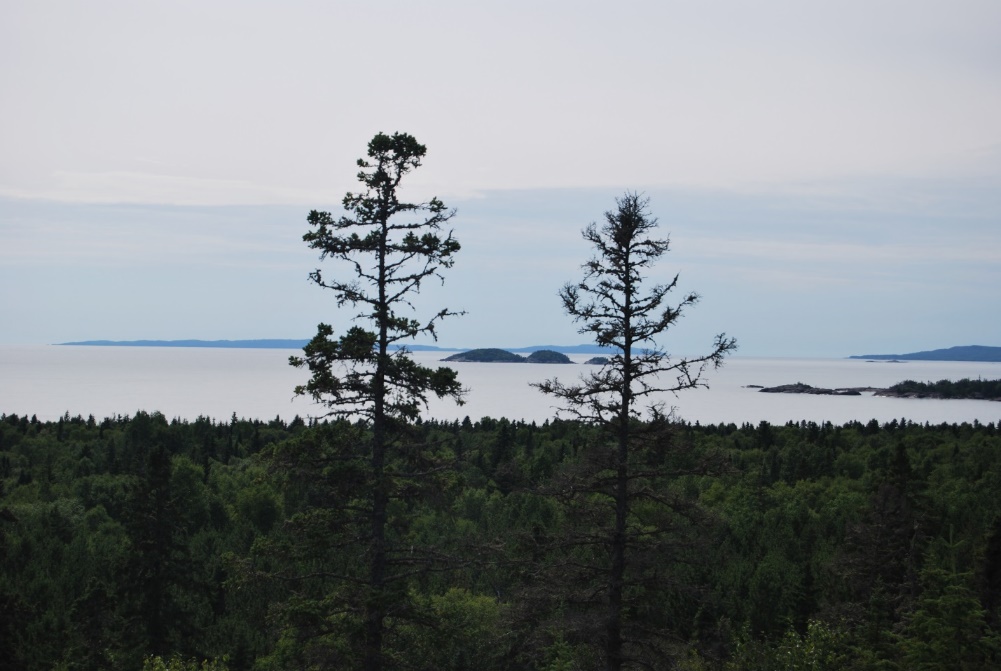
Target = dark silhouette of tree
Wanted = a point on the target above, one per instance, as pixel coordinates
(389, 249)
(161, 584)
(612, 304)
(15, 614)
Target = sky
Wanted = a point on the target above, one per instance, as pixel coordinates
(829, 174)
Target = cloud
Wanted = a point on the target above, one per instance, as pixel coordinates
(154, 188)
(238, 104)
(856, 254)
(89, 234)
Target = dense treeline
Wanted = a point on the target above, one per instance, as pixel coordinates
(862, 546)
(965, 388)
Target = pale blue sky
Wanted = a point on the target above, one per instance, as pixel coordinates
(829, 173)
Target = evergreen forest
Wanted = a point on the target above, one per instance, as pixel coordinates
(140, 540)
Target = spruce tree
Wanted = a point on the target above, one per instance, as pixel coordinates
(386, 251)
(621, 488)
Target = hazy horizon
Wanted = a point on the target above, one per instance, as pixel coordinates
(293, 344)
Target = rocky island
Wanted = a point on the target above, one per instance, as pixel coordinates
(597, 361)
(495, 355)
(800, 388)
(487, 355)
(547, 356)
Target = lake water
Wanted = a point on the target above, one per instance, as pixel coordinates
(49, 381)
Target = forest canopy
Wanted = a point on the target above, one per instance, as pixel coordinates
(859, 546)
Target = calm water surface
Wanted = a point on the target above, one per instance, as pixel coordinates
(49, 381)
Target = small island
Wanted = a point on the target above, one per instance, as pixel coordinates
(496, 355)
(547, 356)
(598, 361)
(800, 388)
(485, 355)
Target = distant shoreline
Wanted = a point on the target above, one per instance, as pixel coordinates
(277, 343)
(226, 344)
(972, 353)
(961, 353)
(965, 389)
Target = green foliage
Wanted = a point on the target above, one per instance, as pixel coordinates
(466, 632)
(91, 559)
(176, 663)
(948, 627)
(862, 546)
(562, 656)
(821, 648)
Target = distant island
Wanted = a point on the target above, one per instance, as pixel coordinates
(961, 353)
(262, 343)
(495, 355)
(564, 349)
(800, 388)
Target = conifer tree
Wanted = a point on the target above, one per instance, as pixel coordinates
(388, 249)
(612, 304)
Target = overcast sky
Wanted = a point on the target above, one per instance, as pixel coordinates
(829, 173)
